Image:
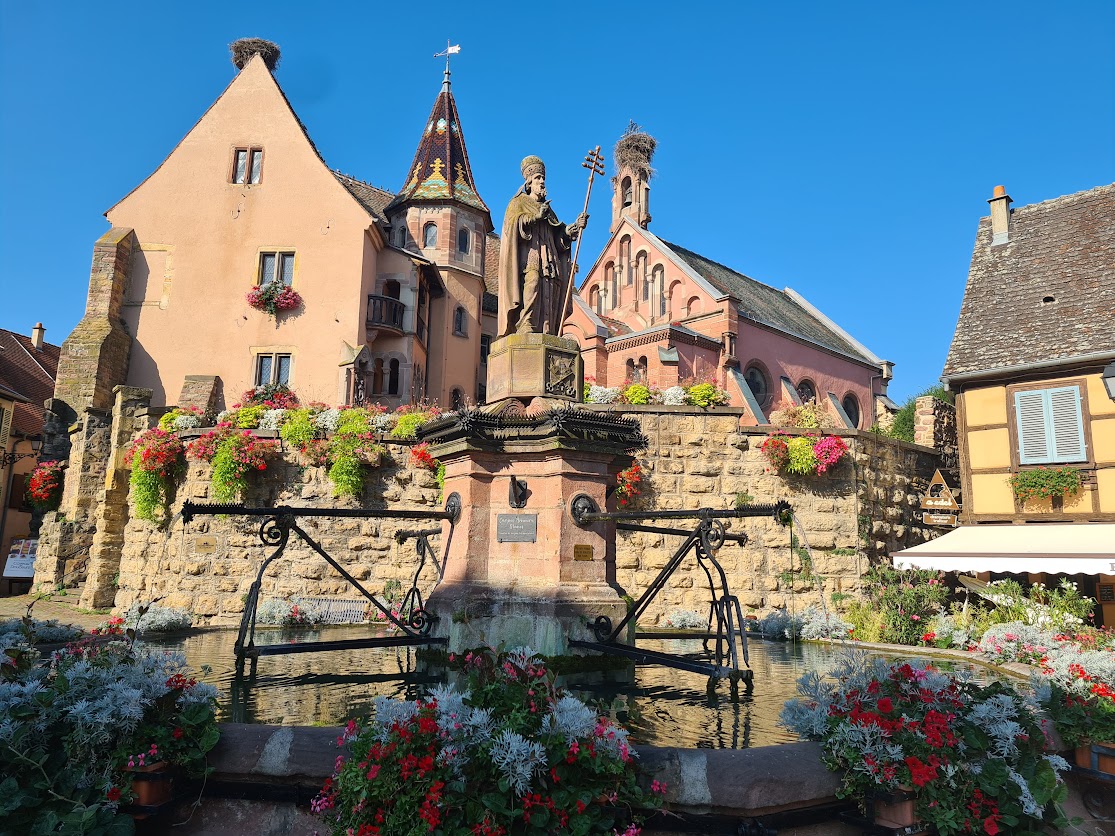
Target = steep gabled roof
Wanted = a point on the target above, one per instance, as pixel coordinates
(30, 372)
(769, 306)
(373, 199)
(441, 169)
(1063, 250)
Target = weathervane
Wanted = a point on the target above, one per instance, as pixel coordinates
(450, 49)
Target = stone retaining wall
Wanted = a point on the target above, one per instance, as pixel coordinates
(861, 510)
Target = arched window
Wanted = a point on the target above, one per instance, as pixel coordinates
(758, 383)
(851, 409)
(643, 369)
(457, 398)
(610, 281)
(627, 196)
(659, 283)
(401, 235)
(429, 235)
(640, 268)
(646, 286)
(377, 377)
(391, 289)
(693, 306)
(594, 300)
(463, 241)
(459, 322)
(393, 378)
(807, 391)
(630, 374)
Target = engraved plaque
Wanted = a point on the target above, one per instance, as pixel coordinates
(205, 545)
(581, 551)
(517, 528)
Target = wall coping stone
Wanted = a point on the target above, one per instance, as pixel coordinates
(738, 782)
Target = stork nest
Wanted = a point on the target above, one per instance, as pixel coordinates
(635, 150)
(243, 50)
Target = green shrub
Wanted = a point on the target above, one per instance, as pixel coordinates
(637, 393)
(903, 426)
(248, 417)
(900, 604)
(802, 459)
(705, 395)
(347, 475)
(408, 425)
(1046, 483)
(298, 430)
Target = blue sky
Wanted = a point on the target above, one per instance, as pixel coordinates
(846, 150)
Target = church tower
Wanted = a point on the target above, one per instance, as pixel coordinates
(440, 215)
(631, 185)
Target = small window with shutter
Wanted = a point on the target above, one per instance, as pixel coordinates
(1050, 426)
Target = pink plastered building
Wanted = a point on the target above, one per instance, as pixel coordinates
(393, 284)
(656, 312)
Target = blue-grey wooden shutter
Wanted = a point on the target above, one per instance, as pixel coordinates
(1067, 425)
(1050, 426)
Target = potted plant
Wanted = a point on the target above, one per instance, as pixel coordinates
(274, 297)
(1082, 706)
(511, 753)
(905, 738)
(73, 725)
(1045, 483)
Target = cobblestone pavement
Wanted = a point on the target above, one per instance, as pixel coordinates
(16, 605)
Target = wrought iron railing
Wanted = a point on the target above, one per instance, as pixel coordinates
(704, 541)
(385, 312)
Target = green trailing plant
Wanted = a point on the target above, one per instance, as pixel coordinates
(1045, 483)
(233, 455)
(801, 460)
(411, 420)
(157, 459)
(351, 450)
(247, 418)
(298, 429)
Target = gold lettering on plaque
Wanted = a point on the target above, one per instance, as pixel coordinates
(206, 544)
(582, 552)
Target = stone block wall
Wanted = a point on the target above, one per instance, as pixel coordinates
(935, 426)
(853, 515)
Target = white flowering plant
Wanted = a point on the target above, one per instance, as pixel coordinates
(509, 754)
(975, 755)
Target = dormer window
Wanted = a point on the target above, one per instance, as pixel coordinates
(429, 235)
(247, 164)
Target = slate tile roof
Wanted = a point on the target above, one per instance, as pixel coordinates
(615, 327)
(31, 373)
(765, 304)
(1062, 249)
(373, 199)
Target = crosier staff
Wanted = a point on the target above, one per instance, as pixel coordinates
(594, 162)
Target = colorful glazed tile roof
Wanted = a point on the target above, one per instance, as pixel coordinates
(441, 170)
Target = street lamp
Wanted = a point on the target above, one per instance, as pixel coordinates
(11, 457)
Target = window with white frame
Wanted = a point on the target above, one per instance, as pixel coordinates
(272, 368)
(247, 165)
(1050, 426)
(276, 266)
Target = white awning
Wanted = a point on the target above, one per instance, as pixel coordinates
(1057, 548)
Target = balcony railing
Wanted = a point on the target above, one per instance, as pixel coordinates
(385, 312)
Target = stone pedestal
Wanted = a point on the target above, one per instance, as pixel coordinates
(535, 365)
(518, 570)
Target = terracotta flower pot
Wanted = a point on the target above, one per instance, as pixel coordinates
(1102, 762)
(897, 809)
(152, 785)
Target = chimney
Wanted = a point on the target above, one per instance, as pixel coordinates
(1000, 216)
(37, 336)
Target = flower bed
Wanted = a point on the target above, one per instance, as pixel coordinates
(974, 755)
(803, 455)
(510, 754)
(273, 298)
(156, 458)
(44, 485)
(72, 727)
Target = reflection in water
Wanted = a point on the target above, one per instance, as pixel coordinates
(661, 706)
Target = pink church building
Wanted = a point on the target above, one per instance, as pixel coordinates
(656, 312)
